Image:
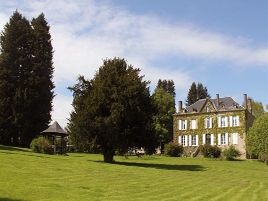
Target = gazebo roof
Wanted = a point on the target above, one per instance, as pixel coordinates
(55, 129)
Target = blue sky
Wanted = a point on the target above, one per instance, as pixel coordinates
(223, 44)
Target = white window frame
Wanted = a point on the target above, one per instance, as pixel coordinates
(194, 140)
(183, 124)
(235, 121)
(183, 140)
(208, 122)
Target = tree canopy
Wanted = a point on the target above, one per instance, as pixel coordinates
(117, 109)
(26, 89)
(196, 92)
(164, 109)
(257, 108)
(257, 138)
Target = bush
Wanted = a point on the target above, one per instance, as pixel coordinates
(231, 153)
(173, 149)
(209, 151)
(264, 157)
(41, 145)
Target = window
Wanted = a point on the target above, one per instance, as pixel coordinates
(223, 121)
(223, 139)
(183, 140)
(236, 121)
(208, 109)
(182, 124)
(208, 122)
(193, 124)
(194, 140)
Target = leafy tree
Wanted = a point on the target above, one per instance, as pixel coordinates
(118, 109)
(257, 108)
(163, 124)
(24, 111)
(257, 138)
(196, 92)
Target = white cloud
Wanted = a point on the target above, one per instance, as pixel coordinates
(85, 32)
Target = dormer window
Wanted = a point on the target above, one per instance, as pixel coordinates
(208, 109)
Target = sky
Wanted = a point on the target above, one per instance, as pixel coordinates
(222, 44)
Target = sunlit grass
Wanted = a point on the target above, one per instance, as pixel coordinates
(29, 176)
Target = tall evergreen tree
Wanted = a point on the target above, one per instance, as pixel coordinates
(167, 85)
(118, 109)
(15, 68)
(42, 75)
(196, 92)
(192, 95)
(25, 80)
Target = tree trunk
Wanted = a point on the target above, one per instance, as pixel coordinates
(108, 156)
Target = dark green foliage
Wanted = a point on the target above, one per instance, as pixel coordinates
(257, 138)
(231, 153)
(164, 109)
(168, 86)
(264, 157)
(41, 145)
(209, 151)
(24, 111)
(257, 108)
(173, 149)
(196, 92)
(114, 110)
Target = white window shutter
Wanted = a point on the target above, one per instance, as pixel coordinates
(204, 139)
(190, 140)
(212, 139)
(179, 124)
(235, 138)
(210, 122)
(186, 140)
(186, 124)
(197, 140)
(238, 120)
(231, 121)
(219, 122)
(179, 140)
(205, 123)
(226, 121)
(226, 138)
(219, 139)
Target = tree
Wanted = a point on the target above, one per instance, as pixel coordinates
(257, 138)
(192, 95)
(25, 71)
(257, 108)
(16, 65)
(42, 74)
(118, 109)
(168, 86)
(163, 124)
(196, 92)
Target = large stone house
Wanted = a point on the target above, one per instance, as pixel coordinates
(221, 121)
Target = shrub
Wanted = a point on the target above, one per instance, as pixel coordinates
(231, 153)
(41, 145)
(173, 149)
(209, 151)
(264, 157)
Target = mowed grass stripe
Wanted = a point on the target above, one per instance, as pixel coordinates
(28, 176)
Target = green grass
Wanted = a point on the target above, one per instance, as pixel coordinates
(29, 176)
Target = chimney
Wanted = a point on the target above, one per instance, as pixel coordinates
(246, 101)
(218, 100)
(250, 105)
(180, 106)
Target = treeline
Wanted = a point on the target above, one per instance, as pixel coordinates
(26, 87)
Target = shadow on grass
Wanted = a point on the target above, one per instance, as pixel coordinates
(7, 148)
(10, 199)
(5, 152)
(159, 166)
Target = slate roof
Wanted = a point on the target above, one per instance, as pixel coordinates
(225, 104)
(55, 129)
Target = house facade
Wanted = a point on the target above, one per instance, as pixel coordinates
(220, 121)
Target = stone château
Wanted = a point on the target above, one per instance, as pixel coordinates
(221, 121)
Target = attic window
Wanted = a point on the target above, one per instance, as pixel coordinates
(208, 109)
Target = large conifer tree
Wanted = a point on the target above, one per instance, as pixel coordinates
(25, 80)
(196, 92)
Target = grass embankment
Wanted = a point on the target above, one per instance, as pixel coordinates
(29, 176)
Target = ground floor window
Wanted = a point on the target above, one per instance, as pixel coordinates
(183, 140)
(194, 141)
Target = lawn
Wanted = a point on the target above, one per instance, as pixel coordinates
(29, 176)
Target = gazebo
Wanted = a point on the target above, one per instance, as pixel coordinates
(57, 136)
